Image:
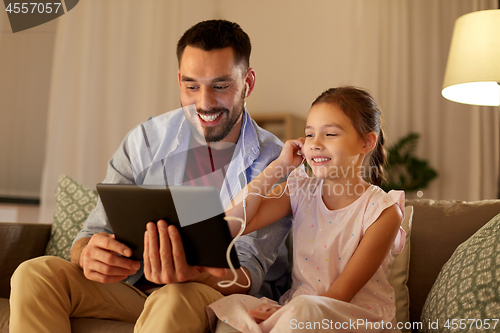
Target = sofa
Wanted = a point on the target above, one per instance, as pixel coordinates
(435, 228)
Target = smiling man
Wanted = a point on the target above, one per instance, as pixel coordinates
(211, 140)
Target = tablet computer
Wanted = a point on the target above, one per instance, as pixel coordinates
(196, 211)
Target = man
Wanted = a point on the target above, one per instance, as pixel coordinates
(215, 78)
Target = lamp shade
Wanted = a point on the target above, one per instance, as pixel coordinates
(473, 69)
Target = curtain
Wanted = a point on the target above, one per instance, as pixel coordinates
(115, 66)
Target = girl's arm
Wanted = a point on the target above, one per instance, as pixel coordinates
(369, 255)
(261, 211)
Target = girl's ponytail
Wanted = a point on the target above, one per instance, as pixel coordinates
(377, 161)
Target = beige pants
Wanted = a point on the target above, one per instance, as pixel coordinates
(46, 291)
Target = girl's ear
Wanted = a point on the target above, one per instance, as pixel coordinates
(370, 142)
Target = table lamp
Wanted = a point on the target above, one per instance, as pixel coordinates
(473, 69)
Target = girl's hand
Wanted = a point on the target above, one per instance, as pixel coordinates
(291, 155)
(263, 312)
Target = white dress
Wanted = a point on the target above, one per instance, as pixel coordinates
(323, 242)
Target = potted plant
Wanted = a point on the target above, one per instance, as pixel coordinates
(404, 171)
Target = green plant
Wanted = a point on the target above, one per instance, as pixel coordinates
(404, 171)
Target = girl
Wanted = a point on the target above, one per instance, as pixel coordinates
(346, 231)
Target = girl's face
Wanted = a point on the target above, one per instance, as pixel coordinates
(333, 148)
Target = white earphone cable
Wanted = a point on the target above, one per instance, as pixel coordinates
(227, 284)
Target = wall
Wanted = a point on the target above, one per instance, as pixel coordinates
(19, 213)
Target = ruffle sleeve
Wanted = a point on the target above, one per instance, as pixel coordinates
(379, 202)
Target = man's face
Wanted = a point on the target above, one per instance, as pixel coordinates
(216, 86)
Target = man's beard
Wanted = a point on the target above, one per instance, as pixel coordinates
(219, 132)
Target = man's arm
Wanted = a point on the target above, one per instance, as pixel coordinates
(94, 249)
(119, 171)
(76, 250)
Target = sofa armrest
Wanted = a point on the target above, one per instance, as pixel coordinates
(19, 242)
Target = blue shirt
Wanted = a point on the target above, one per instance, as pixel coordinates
(155, 152)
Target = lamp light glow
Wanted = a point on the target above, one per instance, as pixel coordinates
(476, 93)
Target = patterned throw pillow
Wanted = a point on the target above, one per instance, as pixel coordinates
(466, 294)
(74, 203)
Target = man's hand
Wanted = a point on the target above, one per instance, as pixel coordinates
(164, 257)
(101, 262)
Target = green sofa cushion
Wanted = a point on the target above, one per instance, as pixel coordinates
(74, 202)
(466, 294)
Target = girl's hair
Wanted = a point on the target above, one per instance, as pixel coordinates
(364, 114)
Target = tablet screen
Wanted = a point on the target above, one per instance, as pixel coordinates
(195, 210)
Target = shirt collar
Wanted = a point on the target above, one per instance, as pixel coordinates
(248, 140)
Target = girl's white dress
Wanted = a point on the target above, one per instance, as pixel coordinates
(323, 242)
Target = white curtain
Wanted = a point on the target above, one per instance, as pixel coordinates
(115, 66)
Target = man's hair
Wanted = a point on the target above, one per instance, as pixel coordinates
(217, 34)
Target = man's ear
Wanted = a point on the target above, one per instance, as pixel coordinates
(370, 142)
(250, 80)
(179, 77)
